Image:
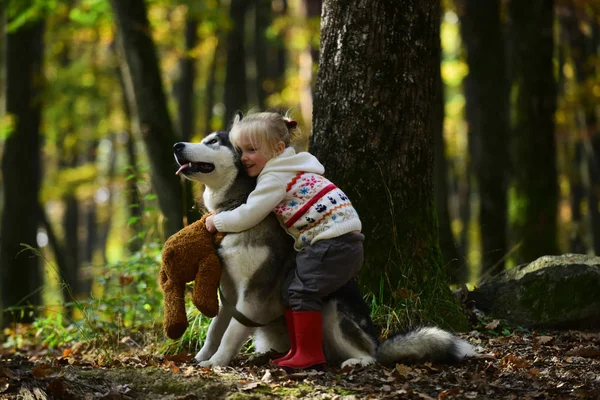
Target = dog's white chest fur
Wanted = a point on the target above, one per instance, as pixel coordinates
(241, 261)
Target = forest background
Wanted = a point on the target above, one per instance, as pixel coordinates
(99, 220)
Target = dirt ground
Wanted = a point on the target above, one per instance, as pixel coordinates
(521, 365)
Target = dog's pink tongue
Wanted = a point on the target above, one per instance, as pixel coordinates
(184, 166)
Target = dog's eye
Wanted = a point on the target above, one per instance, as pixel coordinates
(212, 141)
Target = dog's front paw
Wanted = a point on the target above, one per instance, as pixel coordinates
(215, 361)
(355, 362)
(203, 355)
(205, 364)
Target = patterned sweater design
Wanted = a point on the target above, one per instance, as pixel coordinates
(314, 209)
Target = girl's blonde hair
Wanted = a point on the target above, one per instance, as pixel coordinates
(264, 131)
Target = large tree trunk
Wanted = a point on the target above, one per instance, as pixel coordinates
(373, 130)
(534, 188)
(20, 277)
(236, 98)
(148, 106)
(488, 121)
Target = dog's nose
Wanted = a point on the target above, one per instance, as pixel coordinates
(178, 146)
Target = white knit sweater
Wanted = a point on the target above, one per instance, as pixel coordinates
(308, 206)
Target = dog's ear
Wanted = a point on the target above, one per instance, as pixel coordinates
(237, 117)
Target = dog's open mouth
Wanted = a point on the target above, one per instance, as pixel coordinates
(190, 167)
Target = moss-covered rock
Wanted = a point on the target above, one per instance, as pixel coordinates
(552, 292)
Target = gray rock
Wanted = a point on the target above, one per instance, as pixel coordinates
(560, 292)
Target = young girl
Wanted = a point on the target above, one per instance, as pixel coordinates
(317, 214)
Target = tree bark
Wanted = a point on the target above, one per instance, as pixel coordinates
(187, 116)
(373, 130)
(534, 189)
(134, 200)
(263, 21)
(148, 106)
(454, 262)
(488, 122)
(308, 58)
(582, 48)
(67, 160)
(187, 77)
(211, 83)
(236, 98)
(20, 275)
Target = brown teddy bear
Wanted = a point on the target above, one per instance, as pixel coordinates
(189, 255)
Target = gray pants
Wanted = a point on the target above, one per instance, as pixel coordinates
(321, 269)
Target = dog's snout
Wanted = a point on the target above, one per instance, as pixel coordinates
(178, 146)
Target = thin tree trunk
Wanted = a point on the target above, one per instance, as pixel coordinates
(20, 277)
(70, 273)
(133, 198)
(134, 202)
(534, 189)
(280, 63)
(69, 268)
(263, 21)
(105, 226)
(90, 222)
(582, 48)
(373, 130)
(187, 77)
(59, 250)
(148, 106)
(236, 98)
(187, 116)
(309, 57)
(211, 82)
(484, 41)
(453, 261)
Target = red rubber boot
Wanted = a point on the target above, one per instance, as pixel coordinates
(289, 321)
(308, 327)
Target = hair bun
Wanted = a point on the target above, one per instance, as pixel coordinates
(290, 123)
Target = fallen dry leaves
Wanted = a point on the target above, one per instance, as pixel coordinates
(519, 366)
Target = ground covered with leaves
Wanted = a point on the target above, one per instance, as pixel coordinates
(515, 365)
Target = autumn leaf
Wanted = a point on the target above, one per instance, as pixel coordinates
(41, 371)
(179, 358)
(125, 280)
(513, 362)
(493, 324)
(403, 372)
(245, 385)
(171, 365)
(542, 339)
(584, 351)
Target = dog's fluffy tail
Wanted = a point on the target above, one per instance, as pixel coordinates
(422, 345)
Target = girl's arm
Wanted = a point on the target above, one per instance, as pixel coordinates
(261, 201)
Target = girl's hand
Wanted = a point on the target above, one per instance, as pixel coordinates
(210, 225)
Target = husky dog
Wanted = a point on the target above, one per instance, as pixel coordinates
(255, 264)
